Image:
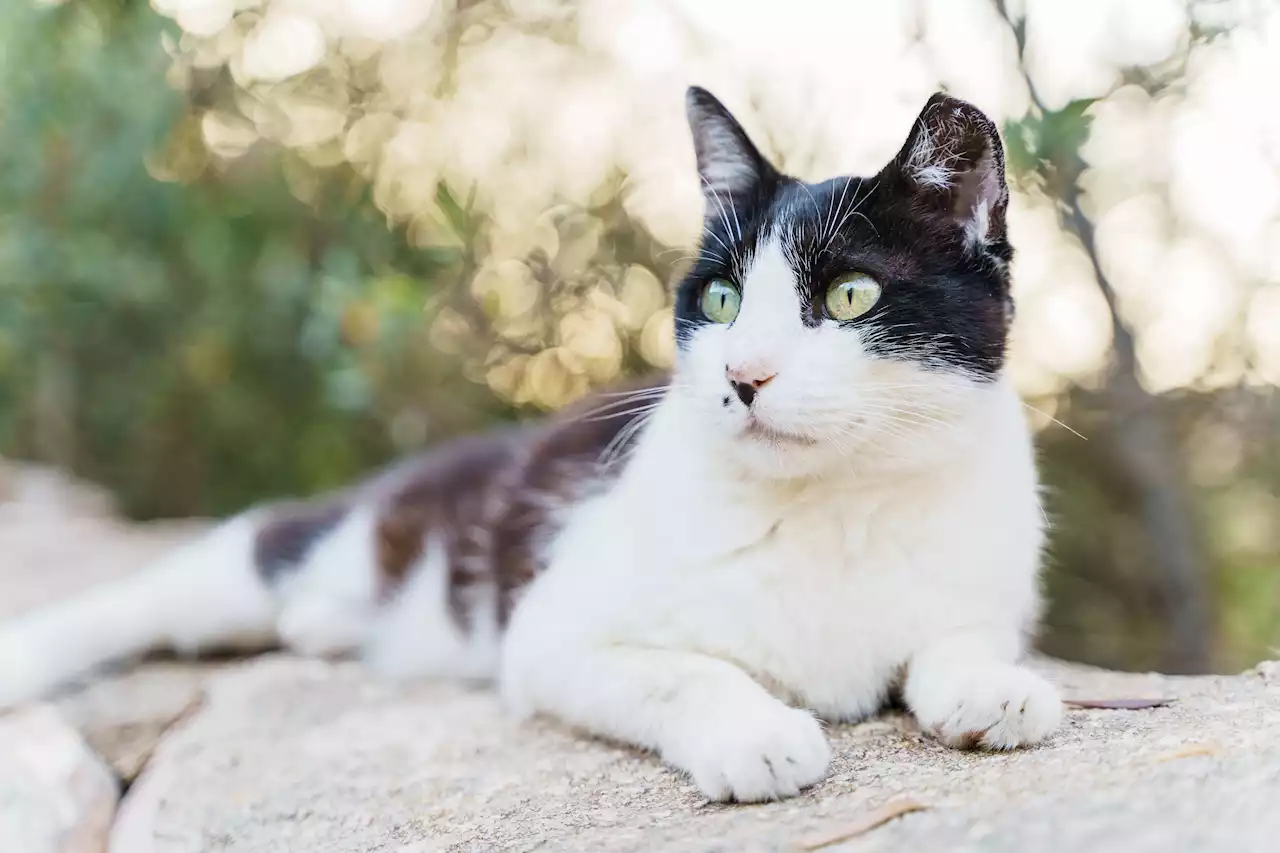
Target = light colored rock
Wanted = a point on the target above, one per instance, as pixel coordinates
(55, 795)
(301, 756)
(124, 717)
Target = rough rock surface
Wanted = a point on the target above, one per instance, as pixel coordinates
(56, 796)
(290, 755)
(285, 755)
(124, 717)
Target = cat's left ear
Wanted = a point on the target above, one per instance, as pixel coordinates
(728, 163)
(953, 164)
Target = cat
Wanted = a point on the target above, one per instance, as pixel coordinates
(830, 502)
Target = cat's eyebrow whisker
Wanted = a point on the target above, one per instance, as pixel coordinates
(724, 216)
(716, 237)
(854, 210)
(864, 218)
(704, 255)
(812, 200)
(834, 210)
(736, 223)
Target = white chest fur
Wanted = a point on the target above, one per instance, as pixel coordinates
(820, 590)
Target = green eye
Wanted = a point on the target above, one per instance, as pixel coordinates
(851, 296)
(721, 301)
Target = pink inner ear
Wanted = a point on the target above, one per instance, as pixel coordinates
(978, 194)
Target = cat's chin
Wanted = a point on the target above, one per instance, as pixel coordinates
(758, 430)
(781, 456)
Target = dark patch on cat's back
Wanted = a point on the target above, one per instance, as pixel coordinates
(448, 492)
(288, 532)
(490, 503)
(562, 464)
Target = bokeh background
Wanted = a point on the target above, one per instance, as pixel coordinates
(251, 248)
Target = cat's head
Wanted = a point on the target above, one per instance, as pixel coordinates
(852, 318)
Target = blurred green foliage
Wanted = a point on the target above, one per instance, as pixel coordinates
(1106, 602)
(1042, 147)
(199, 345)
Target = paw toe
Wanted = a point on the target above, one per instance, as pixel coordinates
(762, 757)
(1002, 709)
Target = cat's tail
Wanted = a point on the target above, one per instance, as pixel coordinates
(205, 594)
(405, 571)
(360, 573)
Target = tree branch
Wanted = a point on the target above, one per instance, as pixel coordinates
(1140, 438)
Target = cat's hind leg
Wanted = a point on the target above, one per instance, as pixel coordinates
(329, 591)
(399, 608)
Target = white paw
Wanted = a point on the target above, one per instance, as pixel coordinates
(754, 754)
(993, 707)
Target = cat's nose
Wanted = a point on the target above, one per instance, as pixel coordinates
(747, 381)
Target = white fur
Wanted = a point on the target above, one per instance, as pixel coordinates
(930, 165)
(330, 600)
(727, 579)
(976, 228)
(417, 636)
(202, 595)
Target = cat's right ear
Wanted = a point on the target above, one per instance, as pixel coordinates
(728, 163)
(953, 164)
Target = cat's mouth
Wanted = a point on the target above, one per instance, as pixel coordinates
(761, 431)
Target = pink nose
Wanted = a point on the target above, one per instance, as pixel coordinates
(747, 381)
(753, 375)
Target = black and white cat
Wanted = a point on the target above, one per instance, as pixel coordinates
(833, 500)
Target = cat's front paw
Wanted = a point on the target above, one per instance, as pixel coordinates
(754, 754)
(992, 707)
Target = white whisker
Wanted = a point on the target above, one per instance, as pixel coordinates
(1055, 420)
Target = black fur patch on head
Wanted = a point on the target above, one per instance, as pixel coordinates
(930, 228)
